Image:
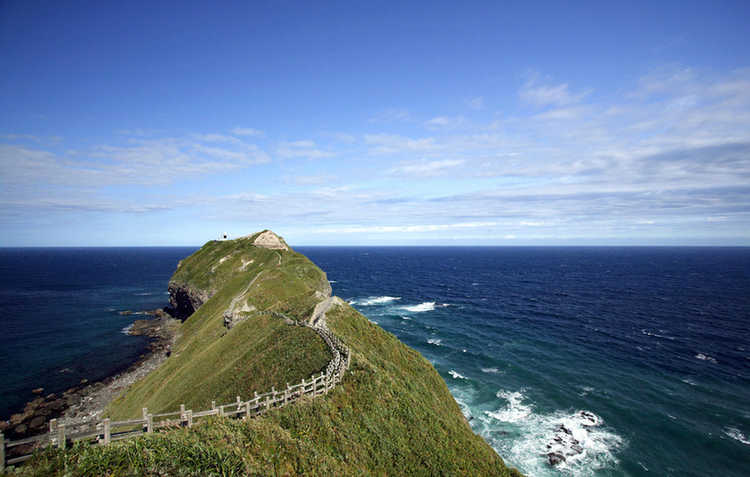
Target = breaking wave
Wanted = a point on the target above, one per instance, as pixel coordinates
(577, 442)
(426, 306)
(434, 341)
(705, 357)
(514, 410)
(456, 375)
(737, 435)
(375, 300)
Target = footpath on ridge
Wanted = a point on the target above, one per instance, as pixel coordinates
(106, 431)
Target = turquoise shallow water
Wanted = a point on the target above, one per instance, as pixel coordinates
(652, 343)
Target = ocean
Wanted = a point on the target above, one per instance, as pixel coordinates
(624, 361)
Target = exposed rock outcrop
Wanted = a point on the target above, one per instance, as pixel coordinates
(184, 300)
(270, 240)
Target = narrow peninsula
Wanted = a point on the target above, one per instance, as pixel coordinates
(314, 387)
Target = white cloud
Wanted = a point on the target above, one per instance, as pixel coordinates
(476, 103)
(404, 228)
(216, 138)
(310, 179)
(304, 148)
(445, 122)
(140, 161)
(381, 144)
(426, 168)
(238, 131)
(391, 115)
(548, 95)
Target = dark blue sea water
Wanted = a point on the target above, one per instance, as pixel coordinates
(59, 314)
(654, 343)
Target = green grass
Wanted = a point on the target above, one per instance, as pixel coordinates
(391, 415)
(210, 362)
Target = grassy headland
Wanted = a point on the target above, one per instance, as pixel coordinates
(391, 415)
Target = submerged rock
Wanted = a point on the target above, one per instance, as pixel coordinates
(554, 458)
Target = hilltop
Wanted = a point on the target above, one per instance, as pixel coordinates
(391, 414)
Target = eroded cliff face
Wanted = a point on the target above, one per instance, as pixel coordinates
(185, 299)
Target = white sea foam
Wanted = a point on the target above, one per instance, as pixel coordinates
(705, 357)
(689, 381)
(737, 435)
(372, 321)
(143, 294)
(657, 335)
(331, 281)
(435, 341)
(456, 375)
(490, 370)
(514, 409)
(403, 317)
(378, 300)
(524, 438)
(585, 390)
(426, 306)
(126, 330)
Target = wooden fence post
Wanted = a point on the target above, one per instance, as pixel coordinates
(145, 418)
(247, 410)
(2, 452)
(190, 418)
(145, 412)
(268, 402)
(150, 423)
(286, 394)
(213, 405)
(107, 432)
(315, 386)
(182, 415)
(61, 436)
(52, 430)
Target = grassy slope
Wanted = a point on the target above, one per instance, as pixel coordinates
(210, 363)
(392, 415)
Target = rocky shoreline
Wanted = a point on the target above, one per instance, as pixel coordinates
(86, 401)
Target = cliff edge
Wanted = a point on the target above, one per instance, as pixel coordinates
(391, 414)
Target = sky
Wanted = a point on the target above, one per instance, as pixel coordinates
(375, 123)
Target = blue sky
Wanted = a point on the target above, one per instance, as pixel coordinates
(383, 123)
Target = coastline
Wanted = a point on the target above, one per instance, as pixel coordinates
(87, 401)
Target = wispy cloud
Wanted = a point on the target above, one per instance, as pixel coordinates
(669, 158)
(445, 122)
(238, 131)
(391, 115)
(548, 94)
(301, 149)
(476, 103)
(404, 228)
(139, 161)
(426, 168)
(384, 144)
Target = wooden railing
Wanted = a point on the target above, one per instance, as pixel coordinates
(106, 431)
